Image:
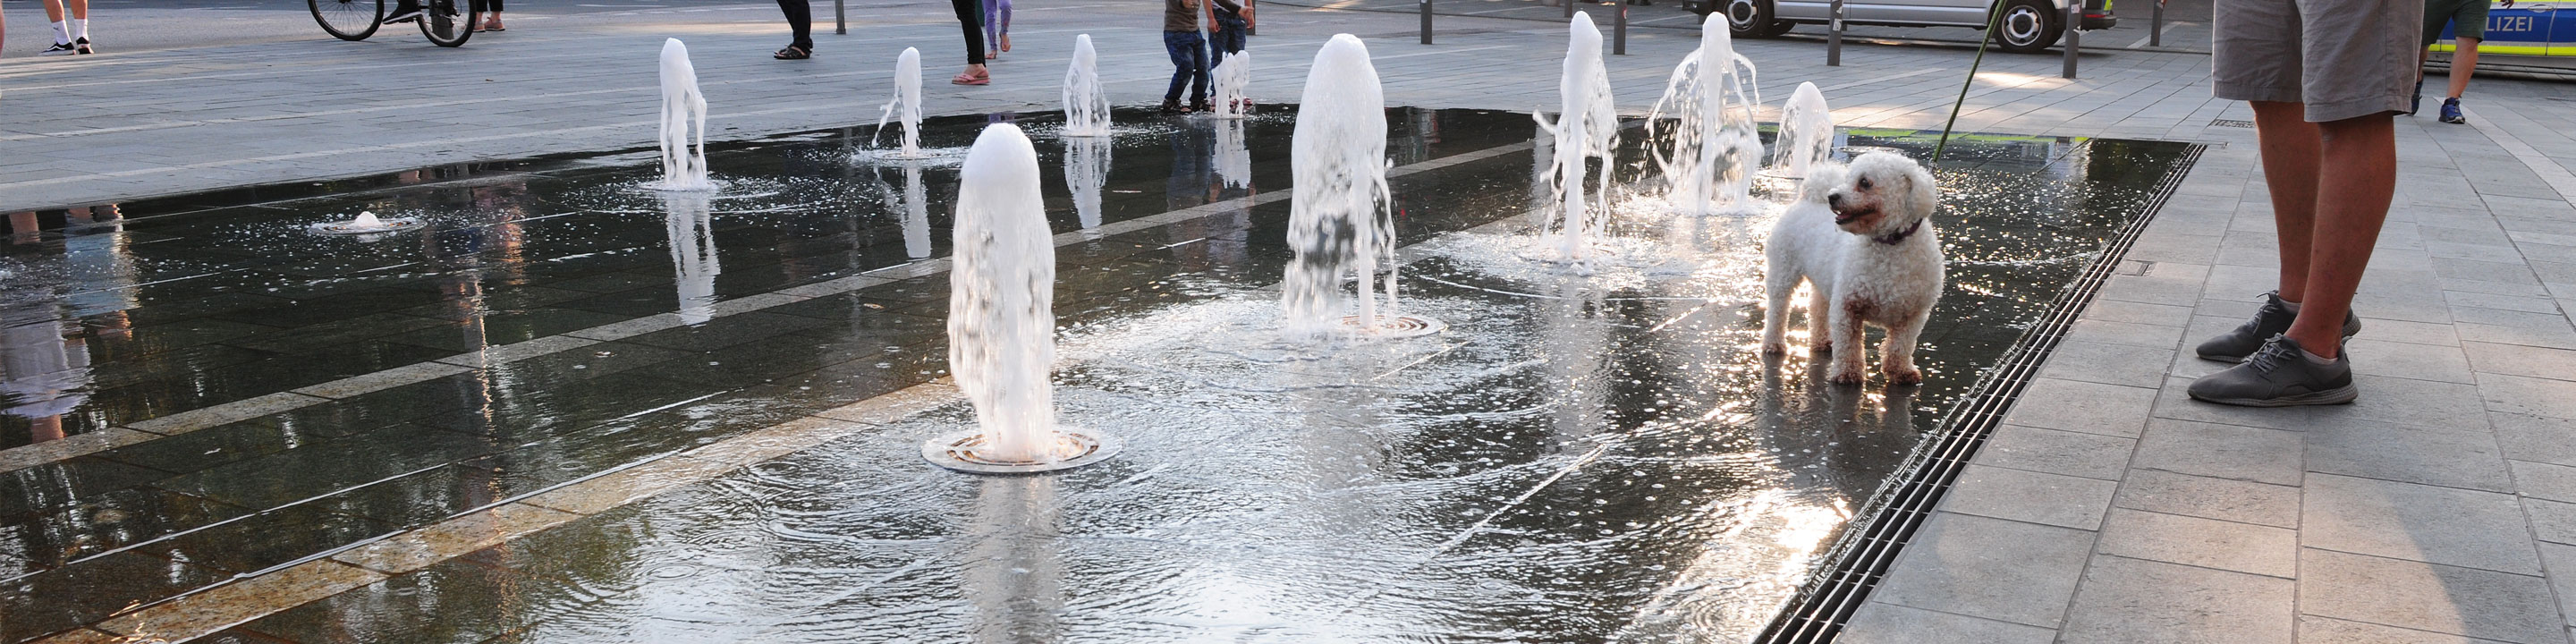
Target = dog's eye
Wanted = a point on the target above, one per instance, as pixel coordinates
(1864, 183)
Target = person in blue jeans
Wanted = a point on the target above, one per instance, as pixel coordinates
(1231, 27)
(1189, 56)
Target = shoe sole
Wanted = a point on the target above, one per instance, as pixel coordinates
(2339, 396)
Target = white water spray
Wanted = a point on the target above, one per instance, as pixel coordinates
(1232, 78)
(1339, 222)
(1086, 103)
(1715, 147)
(1806, 132)
(684, 123)
(1586, 127)
(907, 97)
(916, 214)
(1233, 155)
(1001, 313)
(691, 227)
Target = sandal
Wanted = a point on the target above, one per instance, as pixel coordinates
(967, 79)
(792, 52)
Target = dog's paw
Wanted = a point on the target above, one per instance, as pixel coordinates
(1906, 377)
(1821, 348)
(1849, 376)
(1774, 348)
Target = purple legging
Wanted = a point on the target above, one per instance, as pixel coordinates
(997, 22)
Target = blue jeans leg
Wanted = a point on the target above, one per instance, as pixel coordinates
(1189, 65)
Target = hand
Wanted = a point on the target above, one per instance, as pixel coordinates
(2508, 4)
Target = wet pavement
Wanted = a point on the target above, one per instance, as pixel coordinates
(1579, 459)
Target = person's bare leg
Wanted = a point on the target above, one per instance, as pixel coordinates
(79, 8)
(54, 10)
(2464, 62)
(2288, 143)
(2357, 177)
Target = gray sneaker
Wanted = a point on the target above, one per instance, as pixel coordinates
(2271, 320)
(2278, 376)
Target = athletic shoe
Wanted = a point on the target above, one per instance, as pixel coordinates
(2279, 375)
(2451, 112)
(2418, 104)
(59, 49)
(2271, 320)
(82, 45)
(405, 12)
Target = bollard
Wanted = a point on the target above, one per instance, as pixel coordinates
(1833, 35)
(2157, 37)
(2074, 36)
(1619, 27)
(1426, 22)
(840, 19)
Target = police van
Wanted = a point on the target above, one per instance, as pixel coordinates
(2026, 25)
(2527, 29)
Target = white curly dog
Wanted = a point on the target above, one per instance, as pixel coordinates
(1862, 236)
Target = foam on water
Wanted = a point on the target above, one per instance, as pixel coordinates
(1086, 102)
(684, 123)
(1806, 132)
(1586, 127)
(1338, 221)
(907, 98)
(1001, 315)
(690, 224)
(1714, 146)
(1232, 78)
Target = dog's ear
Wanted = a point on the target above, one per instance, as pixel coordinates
(1920, 189)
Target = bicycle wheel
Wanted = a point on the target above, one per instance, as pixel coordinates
(448, 23)
(348, 19)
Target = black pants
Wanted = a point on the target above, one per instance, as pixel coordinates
(970, 14)
(800, 19)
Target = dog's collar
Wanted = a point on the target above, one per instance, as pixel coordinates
(1898, 237)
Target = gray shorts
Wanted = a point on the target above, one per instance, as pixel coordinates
(2343, 58)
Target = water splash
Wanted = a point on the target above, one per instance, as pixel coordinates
(366, 223)
(916, 214)
(1086, 103)
(1806, 132)
(1001, 313)
(1338, 221)
(684, 123)
(1232, 78)
(690, 225)
(1714, 145)
(907, 96)
(1586, 127)
(1086, 171)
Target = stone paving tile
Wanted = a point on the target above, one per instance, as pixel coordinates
(2428, 597)
(2207, 543)
(2211, 498)
(2133, 600)
(2324, 630)
(2417, 522)
(2058, 452)
(2036, 497)
(2086, 407)
(1885, 623)
(2450, 458)
(2220, 451)
(1991, 568)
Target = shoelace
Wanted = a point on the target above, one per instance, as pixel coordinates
(2269, 356)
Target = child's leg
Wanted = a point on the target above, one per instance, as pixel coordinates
(1198, 69)
(1174, 45)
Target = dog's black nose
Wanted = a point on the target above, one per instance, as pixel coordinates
(1834, 199)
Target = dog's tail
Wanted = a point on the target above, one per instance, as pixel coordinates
(1822, 177)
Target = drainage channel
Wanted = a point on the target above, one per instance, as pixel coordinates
(1861, 558)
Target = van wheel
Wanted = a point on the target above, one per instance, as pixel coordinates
(1751, 19)
(2028, 26)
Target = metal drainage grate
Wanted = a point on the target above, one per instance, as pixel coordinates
(1860, 559)
(2230, 123)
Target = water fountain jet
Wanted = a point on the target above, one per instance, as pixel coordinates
(1231, 78)
(1339, 223)
(690, 224)
(366, 223)
(907, 97)
(1001, 319)
(1586, 127)
(684, 123)
(1086, 103)
(1806, 133)
(1715, 148)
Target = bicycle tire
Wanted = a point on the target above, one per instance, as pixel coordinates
(346, 13)
(448, 23)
